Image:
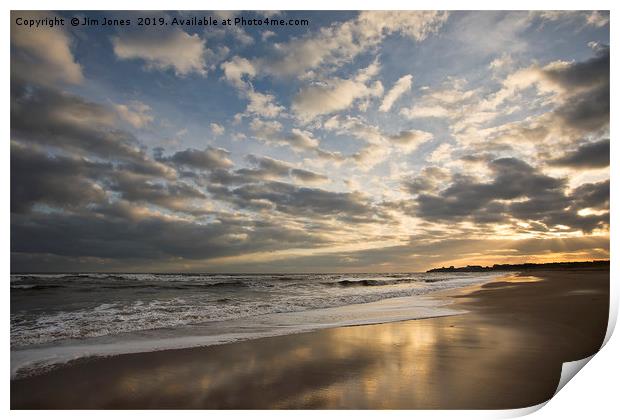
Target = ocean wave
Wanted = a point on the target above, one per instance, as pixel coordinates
(36, 286)
(107, 307)
(373, 282)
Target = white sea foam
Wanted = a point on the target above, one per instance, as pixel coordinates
(39, 358)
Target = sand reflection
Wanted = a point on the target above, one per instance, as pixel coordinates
(425, 363)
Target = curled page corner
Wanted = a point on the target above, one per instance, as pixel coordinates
(570, 369)
(519, 412)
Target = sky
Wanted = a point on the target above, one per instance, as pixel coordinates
(360, 142)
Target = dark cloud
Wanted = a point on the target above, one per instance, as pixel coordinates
(66, 124)
(207, 159)
(65, 182)
(308, 176)
(43, 56)
(585, 74)
(264, 168)
(115, 237)
(426, 180)
(268, 168)
(587, 84)
(224, 177)
(61, 182)
(465, 197)
(587, 155)
(300, 201)
(517, 191)
(594, 195)
(177, 196)
(586, 112)
(57, 119)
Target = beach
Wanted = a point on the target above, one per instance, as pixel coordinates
(504, 349)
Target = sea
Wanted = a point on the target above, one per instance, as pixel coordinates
(58, 318)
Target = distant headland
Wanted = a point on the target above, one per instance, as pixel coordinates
(524, 266)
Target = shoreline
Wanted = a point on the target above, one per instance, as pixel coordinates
(38, 359)
(514, 336)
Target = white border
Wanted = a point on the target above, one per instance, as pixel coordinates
(592, 394)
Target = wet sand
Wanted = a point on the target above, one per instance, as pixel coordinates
(506, 352)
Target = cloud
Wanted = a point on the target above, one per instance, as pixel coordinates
(150, 240)
(242, 36)
(265, 35)
(378, 144)
(43, 54)
(561, 83)
(46, 116)
(428, 180)
(163, 50)
(57, 181)
(409, 140)
(370, 155)
(586, 156)
(432, 111)
(585, 107)
(584, 75)
(376, 148)
(341, 42)
(267, 131)
(77, 184)
(401, 86)
(502, 62)
(451, 100)
(69, 125)
(270, 132)
(263, 104)
(598, 19)
(592, 196)
(330, 156)
(514, 179)
(593, 18)
(209, 158)
(299, 201)
(517, 191)
(335, 94)
(301, 140)
(217, 129)
(135, 113)
(470, 32)
(238, 33)
(538, 107)
(355, 126)
(442, 153)
(266, 167)
(177, 195)
(309, 177)
(236, 68)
